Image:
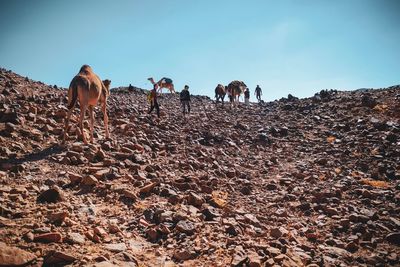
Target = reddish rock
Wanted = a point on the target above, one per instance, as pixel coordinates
(53, 237)
(56, 258)
(13, 256)
(52, 195)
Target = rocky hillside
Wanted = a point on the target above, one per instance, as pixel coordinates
(294, 182)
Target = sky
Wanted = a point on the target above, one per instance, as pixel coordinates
(286, 46)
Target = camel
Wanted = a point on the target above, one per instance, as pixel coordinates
(235, 89)
(163, 83)
(90, 90)
(220, 93)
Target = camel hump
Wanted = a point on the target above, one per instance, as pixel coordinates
(80, 81)
(85, 69)
(166, 80)
(237, 83)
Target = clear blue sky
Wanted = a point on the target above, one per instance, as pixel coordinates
(286, 46)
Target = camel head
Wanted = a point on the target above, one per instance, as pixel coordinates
(107, 83)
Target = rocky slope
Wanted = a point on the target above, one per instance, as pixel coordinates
(295, 182)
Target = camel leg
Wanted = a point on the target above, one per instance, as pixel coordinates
(104, 110)
(66, 124)
(91, 114)
(81, 118)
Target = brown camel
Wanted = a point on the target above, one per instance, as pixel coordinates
(163, 83)
(235, 89)
(89, 89)
(220, 93)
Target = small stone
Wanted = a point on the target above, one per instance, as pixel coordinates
(239, 257)
(275, 233)
(270, 262)
(52, 195)
(74, 178)
(250, 218)
(210, 213)
(271, 186)
(245, 190)
(101, 173)
(232, 230)
(89, 180)
(57, 258)
(53, 237)
(100, 154)
(272, 251)
(281, 213)
(186, 227)
(352, 247)
(331, 211)
(76, 238)
(147, 188)
(129, 194)
(254, 260)
(100, 231)
(152, 234)
(231, 173)
(195, 199)
(113, 228)
(57, 218)
(183, 255)
(219, 199)
(119, 247)
(280, 258)
(29, 236)
(394, 238)
(345, 223)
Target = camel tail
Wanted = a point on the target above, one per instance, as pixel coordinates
(74, 98)
(75, 83)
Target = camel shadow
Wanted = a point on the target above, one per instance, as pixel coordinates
(36, 156)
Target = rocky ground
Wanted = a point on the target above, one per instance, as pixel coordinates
(294, 182)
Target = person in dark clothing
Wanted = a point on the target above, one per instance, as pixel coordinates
(258, 93)
(247, 96)
(153, 101)
(185, 99)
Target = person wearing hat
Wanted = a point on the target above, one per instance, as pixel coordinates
(185, 99)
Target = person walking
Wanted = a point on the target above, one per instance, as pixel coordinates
(258, 93)
(247, 96)
(153, 101)
(185, 99)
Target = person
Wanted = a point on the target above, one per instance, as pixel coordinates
(247, 96)
(230, 95)
(185, 99)
(153, 101)
(258, 93)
